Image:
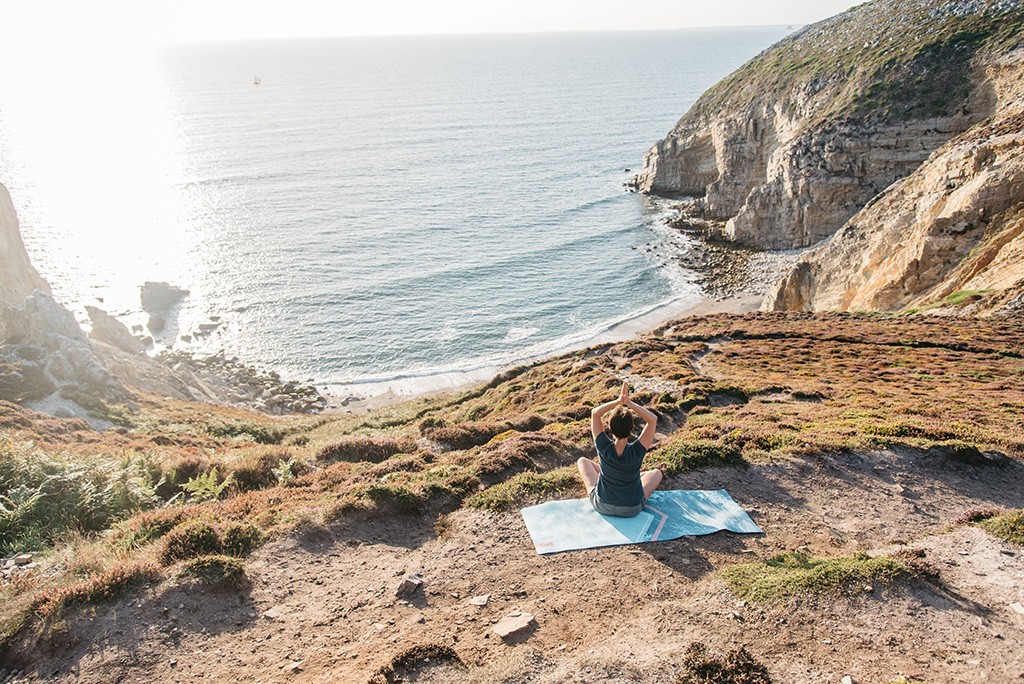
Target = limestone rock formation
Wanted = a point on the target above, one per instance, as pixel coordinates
(159, 297)
(952, 228)
(956, 225)
(795, 142)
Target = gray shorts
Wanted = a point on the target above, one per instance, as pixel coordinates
(611, 509)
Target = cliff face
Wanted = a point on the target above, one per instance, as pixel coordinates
(46, 361)
(956, 225)
(18, 278)
(795, 142)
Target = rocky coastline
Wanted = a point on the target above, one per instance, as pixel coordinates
(888, 137)
(48, 363)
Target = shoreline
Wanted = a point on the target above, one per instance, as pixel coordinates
(362, 398)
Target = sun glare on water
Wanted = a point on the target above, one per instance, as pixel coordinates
(86, 131)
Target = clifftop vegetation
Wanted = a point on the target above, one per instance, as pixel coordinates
(886, 61)
(188, 491)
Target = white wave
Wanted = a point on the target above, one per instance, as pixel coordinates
(516, 333)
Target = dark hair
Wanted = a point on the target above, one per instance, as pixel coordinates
(621, 422)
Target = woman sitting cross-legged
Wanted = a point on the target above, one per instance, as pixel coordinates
(615, 484)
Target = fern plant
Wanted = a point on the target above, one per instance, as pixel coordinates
(206, 487)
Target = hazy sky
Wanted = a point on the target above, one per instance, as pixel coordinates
(30, 23)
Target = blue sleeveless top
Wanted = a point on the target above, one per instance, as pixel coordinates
(619, 484)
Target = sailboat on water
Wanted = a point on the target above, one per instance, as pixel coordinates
(256, 81)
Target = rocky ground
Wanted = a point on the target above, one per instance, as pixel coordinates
(725, 269)
(323, 605)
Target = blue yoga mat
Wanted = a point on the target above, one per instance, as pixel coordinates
(574, 524)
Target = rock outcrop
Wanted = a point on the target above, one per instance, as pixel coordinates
(46, 361)
(18, 278)
(954, 229)
(109, 330)
(798, 140)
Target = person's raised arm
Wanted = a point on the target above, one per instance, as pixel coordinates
(596, 425)
(650, 423)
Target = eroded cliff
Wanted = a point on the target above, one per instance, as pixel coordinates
(18, 278)
(794, 143)
(953, 229)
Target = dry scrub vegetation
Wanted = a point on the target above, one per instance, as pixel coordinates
(188, 492)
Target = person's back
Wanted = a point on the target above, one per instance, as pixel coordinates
(615, 484)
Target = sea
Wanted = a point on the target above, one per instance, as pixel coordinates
(359, 212)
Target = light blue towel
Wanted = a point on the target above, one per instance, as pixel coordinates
(574, 524)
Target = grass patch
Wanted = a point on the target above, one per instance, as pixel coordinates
(1007, 526)
(701, 666)
(399, 497)
(961, 296)
(955, 299)
(523, 486)
(792, 574)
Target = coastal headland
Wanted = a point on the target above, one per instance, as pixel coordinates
(155, 526)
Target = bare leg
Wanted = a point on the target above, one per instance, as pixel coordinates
(650, 480)
(589, 471)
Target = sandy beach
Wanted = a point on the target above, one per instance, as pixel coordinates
(365, 397)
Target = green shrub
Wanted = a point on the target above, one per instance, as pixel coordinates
(240, 539)
(681, 455)
(215, 570)
(400, 497)
(180, 472)
(189, 540)
(207, 487)
(46, 494)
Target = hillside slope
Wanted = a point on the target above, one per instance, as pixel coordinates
(790, 146)
(845, 436)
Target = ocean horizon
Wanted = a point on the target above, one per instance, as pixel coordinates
(354, 211)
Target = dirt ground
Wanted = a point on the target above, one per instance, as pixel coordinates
(321, 606)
